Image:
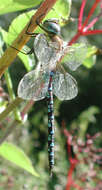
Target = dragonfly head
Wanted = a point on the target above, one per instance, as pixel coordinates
(52, 25)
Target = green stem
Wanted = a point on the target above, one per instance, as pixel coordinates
(11, 93)
(9, 84)
(10, 108)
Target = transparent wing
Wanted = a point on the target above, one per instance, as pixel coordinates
(75, 56)
(33, 85)
(42, 49)
(46, 52)
(64, 86)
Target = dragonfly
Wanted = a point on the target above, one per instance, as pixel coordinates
(51, 77)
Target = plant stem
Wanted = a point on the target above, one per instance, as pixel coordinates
(90, 13)
(27, 108)
(92, 23)
(11, 93)
(74, 39)
(92, 32)
(81, 14)
(10, 108)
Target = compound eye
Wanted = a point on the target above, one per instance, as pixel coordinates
(52, 25)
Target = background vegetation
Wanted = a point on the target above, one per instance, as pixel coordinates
(82, 116)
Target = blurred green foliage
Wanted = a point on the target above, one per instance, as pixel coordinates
(82, 115)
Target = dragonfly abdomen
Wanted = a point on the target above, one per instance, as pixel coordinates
(50, 124)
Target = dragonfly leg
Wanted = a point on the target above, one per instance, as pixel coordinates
(26, 53)
(32, 34)
(41, 26)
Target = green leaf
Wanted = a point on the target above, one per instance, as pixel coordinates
(1, 39)
(7, 6)
(15, 28)
(86, 117)
(89, 114)
(75, 56)
(17, 156)
(90, 57)
(61, 11)
(28, 60)
(90, 61)
(3, 105)
(17, 25)
(63, 7)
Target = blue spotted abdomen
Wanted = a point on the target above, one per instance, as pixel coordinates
(50, 124)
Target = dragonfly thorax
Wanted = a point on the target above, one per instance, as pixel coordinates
(53, 29)
(52, 26)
